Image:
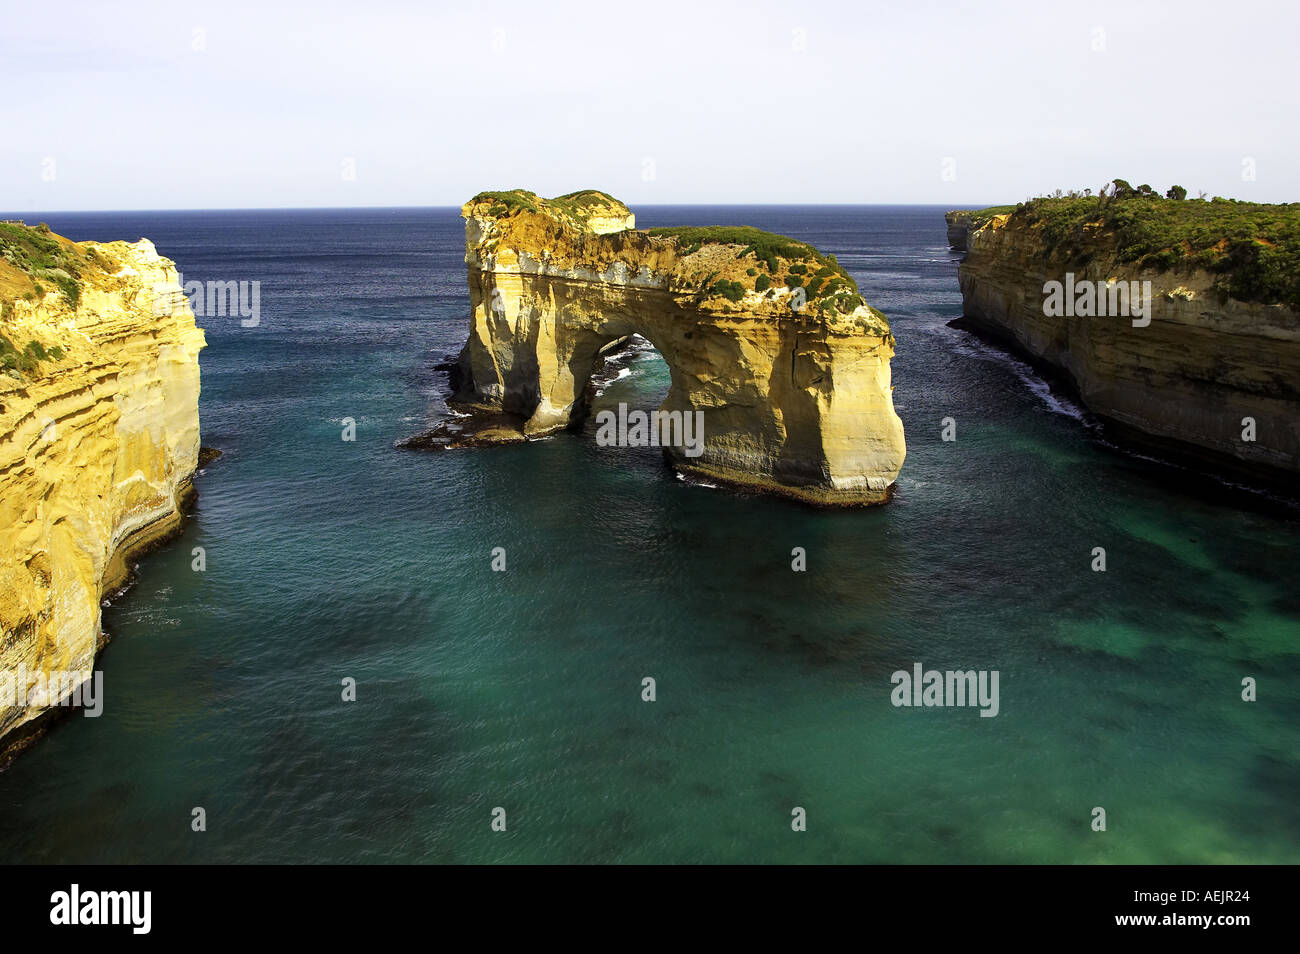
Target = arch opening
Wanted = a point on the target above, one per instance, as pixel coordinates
(791, 399)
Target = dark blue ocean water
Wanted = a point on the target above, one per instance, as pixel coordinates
(329, 560)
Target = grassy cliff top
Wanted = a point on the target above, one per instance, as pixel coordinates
(764, 260)
(734, 260)
(578, 206)
(808, 266)
(977, 218)
(1253, 247)
(33, 260)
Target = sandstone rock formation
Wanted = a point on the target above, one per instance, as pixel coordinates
(959, 229)
(99, 438)
(763, 334)
(1182, 385)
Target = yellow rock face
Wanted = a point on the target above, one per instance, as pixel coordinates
(97, 449)
(1182, 384)
(796, 398)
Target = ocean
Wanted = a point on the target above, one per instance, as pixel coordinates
(329, 560)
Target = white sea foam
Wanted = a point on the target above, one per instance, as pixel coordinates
(974, 347)
(1219, 479)
(1056, 403)
(603, 380)
(696, 481)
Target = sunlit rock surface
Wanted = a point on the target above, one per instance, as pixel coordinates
(793, 382)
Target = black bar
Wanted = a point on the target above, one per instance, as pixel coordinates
(208, 904)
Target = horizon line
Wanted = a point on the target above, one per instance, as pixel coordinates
(358, 208)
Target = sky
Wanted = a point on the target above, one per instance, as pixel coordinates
(177, 105)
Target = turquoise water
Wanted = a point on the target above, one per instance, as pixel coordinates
(522, 689)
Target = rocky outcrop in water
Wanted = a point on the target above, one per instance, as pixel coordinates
(99, 439)
(764, 335)
(1203, 378)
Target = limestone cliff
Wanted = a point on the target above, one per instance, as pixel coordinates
(959, 229)
(962, 222)
(766, 336)
(1181, 385)
(99, 438)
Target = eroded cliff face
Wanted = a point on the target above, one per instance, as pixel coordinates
(794, 384)
(959, 229)
(99, 439)
(1181, 385)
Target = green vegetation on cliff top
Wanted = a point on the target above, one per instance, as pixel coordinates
(767, 248)
(1253, 247)
(978, 218)
(35, 251)
(828, 287)
(576, 205)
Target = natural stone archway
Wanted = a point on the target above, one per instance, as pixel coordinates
(794, 383)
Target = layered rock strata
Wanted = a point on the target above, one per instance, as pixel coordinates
(99, 439)
(764, 335)
(1209, 381)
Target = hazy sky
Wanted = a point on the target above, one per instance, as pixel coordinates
(169, 104)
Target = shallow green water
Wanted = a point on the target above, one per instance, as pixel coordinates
(522, 689)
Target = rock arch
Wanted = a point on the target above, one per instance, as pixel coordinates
(795, 388)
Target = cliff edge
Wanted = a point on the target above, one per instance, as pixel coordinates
(1203, 366)
(764, 336)
(99, 439)
(962, 222)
